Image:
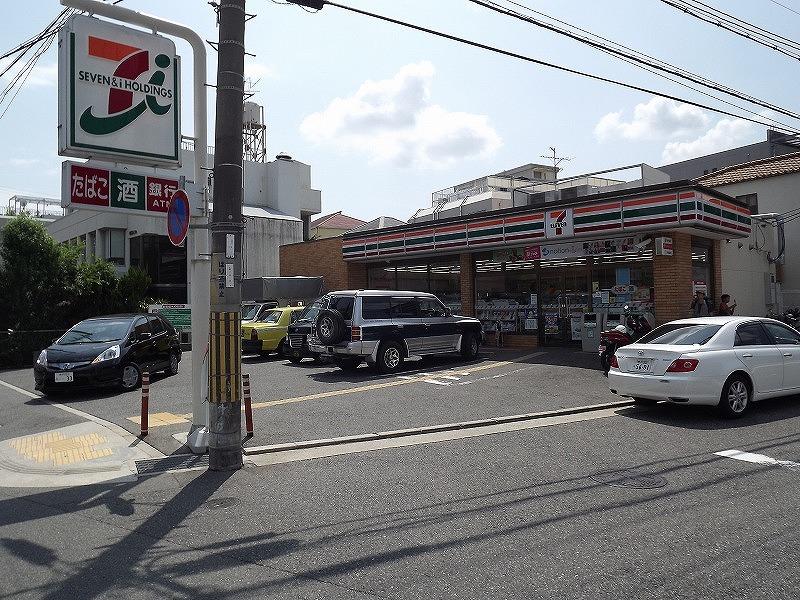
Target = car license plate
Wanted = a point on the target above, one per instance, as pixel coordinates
(64, 377)
(643, 366)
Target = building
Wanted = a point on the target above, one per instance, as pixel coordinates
(768, 185)
(534, 259)
(332, 225)
(278, 205)
(776, 144)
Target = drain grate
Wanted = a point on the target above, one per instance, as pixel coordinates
(630, 478)
(177, 462)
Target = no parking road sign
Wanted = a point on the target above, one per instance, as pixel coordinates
(178, 217)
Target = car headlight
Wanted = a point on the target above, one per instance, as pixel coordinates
(42, 360)
(108, 354)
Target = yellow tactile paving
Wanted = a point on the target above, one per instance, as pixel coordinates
(54, 447)
(159, 419)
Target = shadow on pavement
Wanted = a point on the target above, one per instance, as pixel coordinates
(706, 418)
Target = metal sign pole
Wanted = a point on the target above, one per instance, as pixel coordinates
(200, 270)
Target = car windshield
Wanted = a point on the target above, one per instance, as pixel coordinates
(249, 312)
(681, 334)
(309, 313)
(272, 316)
(94, 331)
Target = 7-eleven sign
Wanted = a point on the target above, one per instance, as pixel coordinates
(558, 223)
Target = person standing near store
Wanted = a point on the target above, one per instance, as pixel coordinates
(700, 307)
(726, 309)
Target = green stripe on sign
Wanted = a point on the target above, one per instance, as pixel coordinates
(609, 216)
(486, 232)
(417, 241)
(712, 210)
(729, 214)
(524, 227)
(372, 246)
(646, 212)
(745, 220)
(687, 206)
(351, 249)
(459, 235)
(391, 244)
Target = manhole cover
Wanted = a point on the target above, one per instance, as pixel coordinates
(630, 478)
(217, 503)
(177, 462)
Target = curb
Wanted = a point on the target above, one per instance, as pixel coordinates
(397, 433)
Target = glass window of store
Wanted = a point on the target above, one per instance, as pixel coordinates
(701, 268)
(507, 294)
(442, 278)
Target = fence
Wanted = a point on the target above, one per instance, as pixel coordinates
(20, 348)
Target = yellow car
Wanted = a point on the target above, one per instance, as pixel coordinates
(268, 334)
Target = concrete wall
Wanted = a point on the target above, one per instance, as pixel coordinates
(775, 195)
(261, 243)
(288, 187)
(743, 272)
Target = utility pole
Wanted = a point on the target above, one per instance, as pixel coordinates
(557, 160)
(225, 346)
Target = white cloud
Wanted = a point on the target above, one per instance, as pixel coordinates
(726, 133)
(394, 121)
(40, 76)
(256, 71)
(660, 118)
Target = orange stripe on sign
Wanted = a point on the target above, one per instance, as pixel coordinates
(536, 217)
(652, 200)
(485, 224)
(584, 209)
(108, 49)
(451, 228)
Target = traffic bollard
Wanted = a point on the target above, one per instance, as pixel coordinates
(248, 405)
(145, 402)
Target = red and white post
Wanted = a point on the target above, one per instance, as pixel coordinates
(145, 402)
(248, 404)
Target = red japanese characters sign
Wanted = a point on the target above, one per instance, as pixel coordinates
(103, 189)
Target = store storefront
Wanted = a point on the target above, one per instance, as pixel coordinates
(542, 275)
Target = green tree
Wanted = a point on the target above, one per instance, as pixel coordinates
(132, 290)
(95, 291)
(38, 276)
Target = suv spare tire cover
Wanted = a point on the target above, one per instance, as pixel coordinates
(330, 326)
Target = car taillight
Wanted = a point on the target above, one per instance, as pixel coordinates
(253, 334)
(614, 362)
(683, 365)
(355, 334)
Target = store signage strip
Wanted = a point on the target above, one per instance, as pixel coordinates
(85, 185)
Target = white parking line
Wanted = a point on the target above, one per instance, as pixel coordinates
(435, 381)
(759, 459)
(450, 377)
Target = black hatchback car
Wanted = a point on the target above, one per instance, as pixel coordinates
(109, 351)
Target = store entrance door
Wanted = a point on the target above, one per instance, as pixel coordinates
(564, 298)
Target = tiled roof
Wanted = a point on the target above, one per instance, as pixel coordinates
(757, 169)
(336, 221)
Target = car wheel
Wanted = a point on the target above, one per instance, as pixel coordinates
(348, 364)
(172, 369)
(644, 402)
(330, 326)
(295, 358)
(390, 357)
(282, 348)
(131, 377)
(736, 397)
(469, 346)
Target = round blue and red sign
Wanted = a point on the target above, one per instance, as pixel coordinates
(178, 217)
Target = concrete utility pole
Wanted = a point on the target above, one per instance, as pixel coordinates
(225, 346)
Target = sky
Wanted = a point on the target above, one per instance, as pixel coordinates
(385, 116)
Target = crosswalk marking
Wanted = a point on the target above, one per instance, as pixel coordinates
(759, 459)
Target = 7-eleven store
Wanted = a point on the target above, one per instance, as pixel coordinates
(535, 271)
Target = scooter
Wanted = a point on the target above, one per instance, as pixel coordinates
(634, 328)
(791, 317)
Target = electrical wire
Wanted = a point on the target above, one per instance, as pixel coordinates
(784, 6)
(736, 30)
(660, 65)
(644, 67)
(552, 65)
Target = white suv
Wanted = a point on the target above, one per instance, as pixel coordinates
(384, 328)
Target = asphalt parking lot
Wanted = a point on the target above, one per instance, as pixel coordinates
(312, 401)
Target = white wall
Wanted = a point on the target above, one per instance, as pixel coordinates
(743, 272)
(289, 188)
(262, 239)
(777, 195)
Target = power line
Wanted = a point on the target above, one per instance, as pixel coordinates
(660, 65)
(645, 67)
(744, 32)
(784, 6)
(550, 65)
